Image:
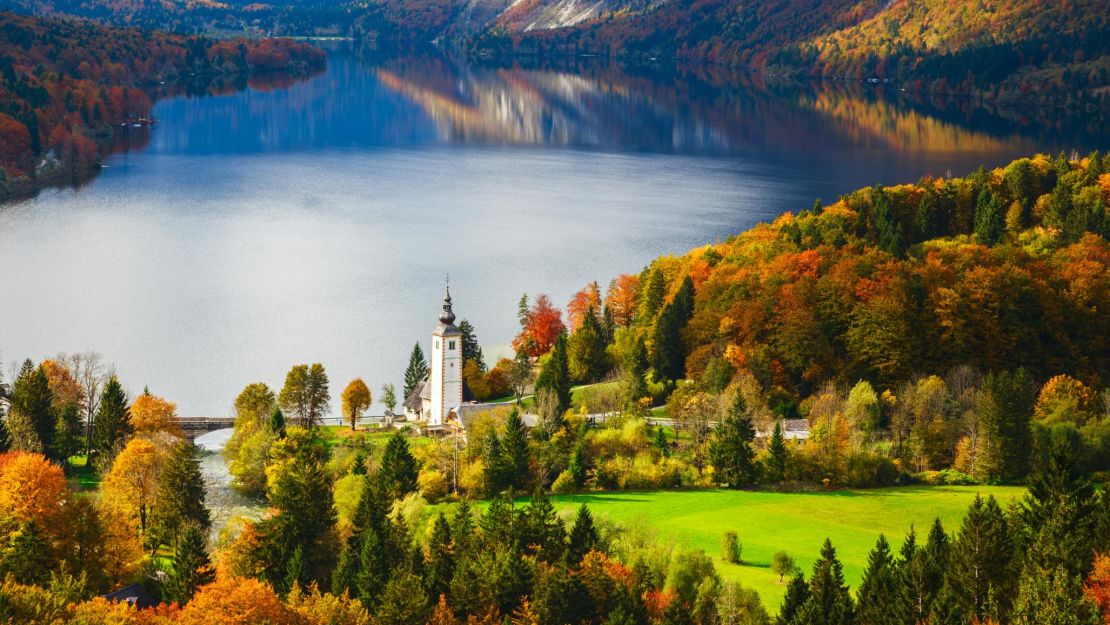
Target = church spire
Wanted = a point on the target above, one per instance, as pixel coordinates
(447, 317)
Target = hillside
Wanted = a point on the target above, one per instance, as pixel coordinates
(66, 84)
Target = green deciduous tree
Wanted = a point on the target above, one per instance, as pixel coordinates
(305, 394)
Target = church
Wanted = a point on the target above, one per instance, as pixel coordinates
(436, 404)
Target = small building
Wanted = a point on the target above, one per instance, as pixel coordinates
(792, 430)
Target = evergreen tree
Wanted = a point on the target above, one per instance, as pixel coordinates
(877, 591)
(659, 442)
(343, 578)
(31, 401)
(5, 436)
(926, 220)
(462, 530)
(295, 574)
(277, 422)
(398, 469)
(191, 566)
(1005, 414)
(652, 301)
(776, 460)
(180, 499)
(583, 536)
(730, 450)
(587, 358)
(403, 602)
(578, 465)
(669, 357)
(829, 601)
(889, 231)
(990, 217)
(797, 595)
(555, 373)
(27, 557)
(980, 570)
(373, 570)
(515, 448)
(499, 522)
(112, 423)
(494, 471)
(441, 563)
(471, 350)
(1060, 509)
(415, 372)
(920, 574)
(544, 530)
(67, 431)
(636, 370)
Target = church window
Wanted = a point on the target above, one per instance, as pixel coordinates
(437, 343)
(451, 345)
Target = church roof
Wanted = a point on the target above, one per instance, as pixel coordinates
(446, 325)
(415, 400)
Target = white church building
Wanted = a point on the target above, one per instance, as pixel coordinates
(441, 393)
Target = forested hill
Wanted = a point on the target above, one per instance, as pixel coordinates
(66, 83)
(1023, 49)
(1001, 269)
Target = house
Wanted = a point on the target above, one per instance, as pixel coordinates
(792, 430)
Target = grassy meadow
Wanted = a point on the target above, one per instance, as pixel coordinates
(797, 523)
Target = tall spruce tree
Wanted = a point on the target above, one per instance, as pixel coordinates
(398, 467)
(981, 576)
(31, 404)
(415, 372)
(191, 566)
(112, 423)
(797, 595)
(730, 450)
(636, 369)
(1005, 413)
(829, 601)
(990, 217)
(555, 373)
(544, 533)
(471, 350)
(669, 355)
(517, 455)
(440, 565)
(777, 454)
(655, 291)
(887, 228)
(180, 500)
(27, 555)
(879, 588)
(583, 536)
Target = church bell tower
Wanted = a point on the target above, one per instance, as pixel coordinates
(447, 385)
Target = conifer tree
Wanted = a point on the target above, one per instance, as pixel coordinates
(67, 432)
(877, 591)
(659, 442)
(980, 574)
(398, 468)
(180, 499)
(471, 350)
(583, 536)
(499, 522)
(1005, 414)
(990, 218)
(797, 595)
(462, 529)
(415, 372)
(5, 436)
(112, 423)
(829, 601)
(925, 222)
(652, 301)
(373, 570)
(587, 359)
(31, 405)
(776, 461)
(191, 566)
(555, 373)
(545, 532)
(730, 450)
(441, 564)
(403, 601)
(1059, 509)
(27, 557)
(637, 369)
(343, 578)
(578, 465)
(295, 574)
(669, 356)
(277, 422)
(515, 449)
(494, 471)
(889, 231)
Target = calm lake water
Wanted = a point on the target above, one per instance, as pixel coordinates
(316, 222)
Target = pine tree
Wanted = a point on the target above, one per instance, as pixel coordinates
(295, 574)
(544, 531)
(578, 465)
(776, 461)
(277, 422)
(462, 530)
(398, 468)
(373, 570)
(112, 423)
(797, 595)
(990, 218)
(1060, 507)
(471, 350)
(889, 231)
(637, 369)
(403, 602)
(67, 431)
(415, 372)
(829, 598)
(652, 300)
(925, 222)
(191, 566)
(31, 400)
(583, 536)
(555, 373)
(180, 499)
(587, 359)
(730, 450)
(305, 518)
(515, 449)
(343, 578)
(499, 522)
(494, 471)
(1005, 415)
(659, 442)
(980, 574)
(669, 356)
(27, 557)
(876, 605)
(441, 563)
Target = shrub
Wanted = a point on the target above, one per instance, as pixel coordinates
(432, 484)
(564, 483)
(730, 548)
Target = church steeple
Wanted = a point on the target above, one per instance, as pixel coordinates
(447, 316)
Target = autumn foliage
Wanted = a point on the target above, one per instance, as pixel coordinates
(541, 325)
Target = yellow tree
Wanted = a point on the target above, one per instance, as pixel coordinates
(33, 489)
(356, 399)
(64, 387)
(151, 414)
(132, 482)
(236, 601)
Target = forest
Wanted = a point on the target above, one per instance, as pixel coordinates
(65, 84)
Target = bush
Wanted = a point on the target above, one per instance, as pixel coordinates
(730, 548)
(947, 477)
(564, 483)
(783, 565)
(432, 484)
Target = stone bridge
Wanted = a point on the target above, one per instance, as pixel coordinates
(195, 426)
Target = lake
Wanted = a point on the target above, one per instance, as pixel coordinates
(318, 220)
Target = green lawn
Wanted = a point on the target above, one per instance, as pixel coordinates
(797, 523)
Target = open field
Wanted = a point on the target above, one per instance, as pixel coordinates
(793, 522)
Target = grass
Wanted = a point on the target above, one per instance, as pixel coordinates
(796, 523)
(81, 475)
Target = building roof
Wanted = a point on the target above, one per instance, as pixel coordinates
(795, 425)
(134, 594)
(446, 325)
(415, 400)
(466, 413)
(5, 391)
